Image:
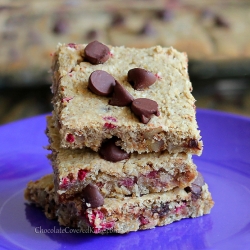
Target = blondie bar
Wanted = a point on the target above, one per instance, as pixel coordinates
(159, 115)
(121, 215)
(138, 175)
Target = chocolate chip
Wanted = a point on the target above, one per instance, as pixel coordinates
(147, 29)
(110, 152)
(140, 78)
(145, 108)
(101, 83)
(196, 186)
(92, 195)
(117, 20)
(96, 53)
(165, 15)
(199, 181)
(121, 97)
(196, 190)
(161, 210)
(193, 143)
(221, 22)
(92, 34)
(61, 26)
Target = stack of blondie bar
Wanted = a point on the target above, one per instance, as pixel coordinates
(122, 135)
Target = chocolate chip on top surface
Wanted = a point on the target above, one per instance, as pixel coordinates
(96, 53)
(121, 97)
(92, 195)
(145, 108)
(110, 152)
(140, 78)
(101, 83)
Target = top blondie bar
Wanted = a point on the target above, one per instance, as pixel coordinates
(140, 96)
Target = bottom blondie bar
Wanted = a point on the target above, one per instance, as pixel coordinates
(121, 215)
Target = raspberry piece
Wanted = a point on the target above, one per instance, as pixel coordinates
(82, 174)
(180, 208)
(67, 99)
(157, 75)
(70, 138)
(109, 125)
(64, 182)
(143, 220)
(72, 45)
(153, 174)
(110, 118)
(127, 182)
(96, 218)
(107, 225)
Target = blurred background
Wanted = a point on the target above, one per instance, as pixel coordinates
(214, 34)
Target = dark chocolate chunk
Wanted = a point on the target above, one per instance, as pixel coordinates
(92, 195)
(148, 29)
(145, 108)
(92, 34)
(121, 97)
(140, 78)
(165, 15)
(196, 190)
(193, 143)
(199, 181)
(162, 210)
(110, 152)
(196, 186)
(117, 20)
(101, 83)
(219, 21)
(61, 26)
(96, 53)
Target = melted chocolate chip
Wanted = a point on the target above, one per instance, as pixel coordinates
(193, 143)
(121, 97)
(92, 195)
(101, 83)
(96, 53)
(110, 152)
(140, 78)
(144, 108)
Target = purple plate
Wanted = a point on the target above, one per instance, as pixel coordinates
(225, 164)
